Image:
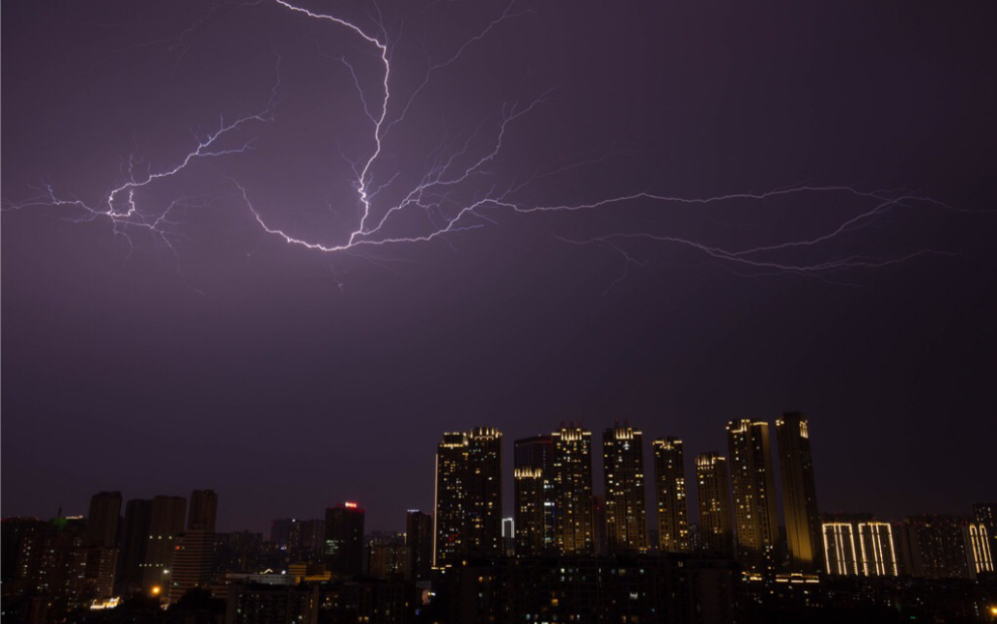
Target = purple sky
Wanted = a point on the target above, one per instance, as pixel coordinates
(289, 380)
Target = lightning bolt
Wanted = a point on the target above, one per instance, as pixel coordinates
(454, 173)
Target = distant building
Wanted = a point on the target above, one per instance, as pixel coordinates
(535, 456)
(272, 604)
(756, 521)
(468, 496)
(670, 491)
(135, 538)
(937, 547)
(391, 561)
(985, 514)
(419, 539)
(573, 490)
(166, 522)
(626, 508)
(840, 552)
(344, 539)
(715, 523)
(193, 557)
(203, 511)
(102, 521)
(529, 496)
(799, 492)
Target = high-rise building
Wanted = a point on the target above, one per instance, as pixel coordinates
(344, 539)
(484, 502)
(451, 491)
(756, 521)
(840, 555)
(715, 530)
(419, 539)
(468, 496)
(531, 538)
(877, 550)
(102, 521)
(203, 509)
(166, 522)
(985, 514)
(133, 543)
(978, 548)
(937, 547)
(623, 471)
(193, 556)
(573, 490)
(101, 557)
(536, 456)
(799, 492)
(669, 486)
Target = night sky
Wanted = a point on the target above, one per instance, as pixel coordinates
(216, 355)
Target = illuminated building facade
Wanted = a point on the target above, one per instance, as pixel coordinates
(419, 539)
(799, 492)
(483, 504)
(531, 539)
(877, 549)
(756, 521)
(978, 547)
(573, 491)
(623, 471)
(715, 526)
(985, 514)
(536, 455)
(670, 491)
(840, 555)
(468, 496)
(166, 522)
(344, 539)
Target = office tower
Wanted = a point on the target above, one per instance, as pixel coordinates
(344, 539)
(799, 492)
(985, 514)
(756, 522)
(419, 539)
(531, 539)
(102, 521)
(203, 509)
(536, 454)
(573, 490)
(715, 530)
(623, 472)
(669, 486)
(166, 521)
(133, 543)
(468, 496)
(840, 555)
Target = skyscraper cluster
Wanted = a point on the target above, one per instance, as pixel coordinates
(558, 513)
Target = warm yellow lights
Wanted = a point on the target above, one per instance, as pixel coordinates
(156, 590)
